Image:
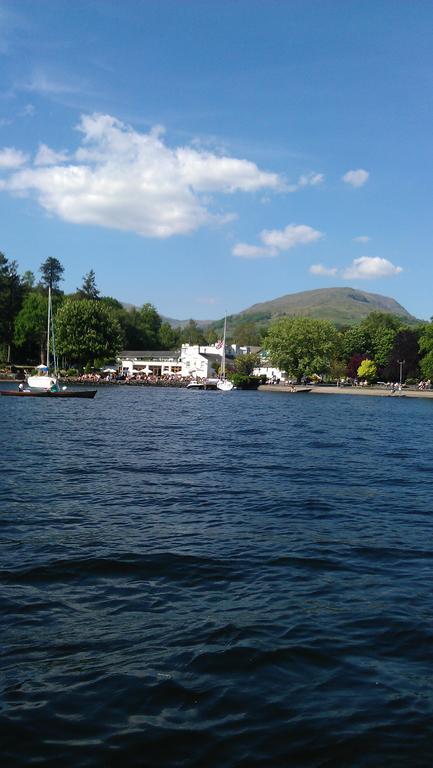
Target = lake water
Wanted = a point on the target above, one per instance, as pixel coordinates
(213, 580)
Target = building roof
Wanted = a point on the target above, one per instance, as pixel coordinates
(211, 356)
(146, 354)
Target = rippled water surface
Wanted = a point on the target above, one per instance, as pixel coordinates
(205, 580)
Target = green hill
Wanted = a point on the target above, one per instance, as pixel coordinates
(343, 306)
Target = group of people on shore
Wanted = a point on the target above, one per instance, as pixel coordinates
(424, 385)
(139, 378)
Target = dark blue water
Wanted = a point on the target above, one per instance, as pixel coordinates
(210, 580)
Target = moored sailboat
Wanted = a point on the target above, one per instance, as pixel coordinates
(224, 385)
(45, 384)
(43, 380)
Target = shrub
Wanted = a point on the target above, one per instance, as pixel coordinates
(242, 381)
(367, 370)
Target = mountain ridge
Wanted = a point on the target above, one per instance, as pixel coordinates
(342, 306)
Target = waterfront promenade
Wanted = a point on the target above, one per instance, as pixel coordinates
(372, 391)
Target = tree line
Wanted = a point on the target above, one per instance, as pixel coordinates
(378, 348)
(91, 329)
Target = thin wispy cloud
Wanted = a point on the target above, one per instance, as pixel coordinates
(44, 84)
(28, 111)
(10, 23)
(307, 180)
(47, 156)
(246, 251)
(123, 179)
(356, 178)
(277, 240)
(320, 269)
(362, 239)
(209, 300)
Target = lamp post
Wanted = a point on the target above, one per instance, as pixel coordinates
(401, 364)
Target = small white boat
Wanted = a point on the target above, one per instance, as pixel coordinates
(224, 385)
(203, 384)
(43, 380)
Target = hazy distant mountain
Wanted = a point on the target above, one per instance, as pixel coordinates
(343, 306)
(183, 323)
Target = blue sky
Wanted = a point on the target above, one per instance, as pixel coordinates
(205, 155)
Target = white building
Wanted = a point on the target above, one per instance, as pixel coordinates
(152, 363)
(271, 373)
(192, 361)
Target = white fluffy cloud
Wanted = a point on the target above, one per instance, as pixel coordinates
(11, 158)
(123, 179)
(370, 267)
(320, 269)
(356, 178)
(293, 234)
(277, 240)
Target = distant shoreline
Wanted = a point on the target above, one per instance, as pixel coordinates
(371, 391)
(280, 388)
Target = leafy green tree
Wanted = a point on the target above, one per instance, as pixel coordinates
(31, 325)
(246, 363)
(211, 335)
(169, 337)
(11, 296)
(149, 325)
(301, 346)
(88, 289)
(114, 304)
(382, 329)
(354, 341)
(192, 334)
(426, 350)
(4, 277)
(52, 273)
(87, 329)
(28, 279)
(367, 370)
(246, 334)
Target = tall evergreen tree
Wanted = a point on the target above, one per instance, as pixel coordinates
(88, 289)
(52, 273)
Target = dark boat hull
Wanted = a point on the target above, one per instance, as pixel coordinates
(88, 393)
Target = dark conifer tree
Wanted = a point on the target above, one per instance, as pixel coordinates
(52, 273)
(88, 289)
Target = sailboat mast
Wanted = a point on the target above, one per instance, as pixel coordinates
(49, 326)
(223, 362)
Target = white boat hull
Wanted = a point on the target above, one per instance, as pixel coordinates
(41, 382)
(225, 386)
